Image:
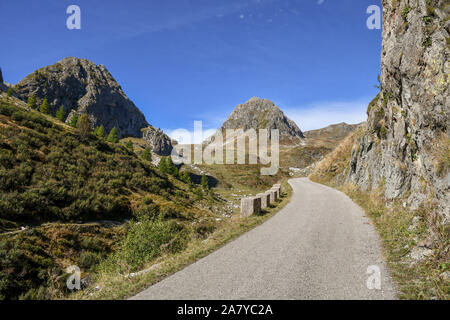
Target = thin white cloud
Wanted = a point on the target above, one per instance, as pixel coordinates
(321, 114)
(319, 2)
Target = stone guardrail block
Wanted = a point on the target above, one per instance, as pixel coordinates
(279, 185)
(249, 206)
(265, 199)
(269, 194)
(273, 195)
(277, 191)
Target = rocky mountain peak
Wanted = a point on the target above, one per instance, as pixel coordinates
(259, 113)
(1, 76)
(84, 87)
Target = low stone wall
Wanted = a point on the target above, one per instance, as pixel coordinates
(254, 205)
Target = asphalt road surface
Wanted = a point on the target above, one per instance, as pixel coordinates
(319, 246)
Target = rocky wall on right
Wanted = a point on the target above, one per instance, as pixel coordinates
(405, 149)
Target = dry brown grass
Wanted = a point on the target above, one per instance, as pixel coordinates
(332, 168)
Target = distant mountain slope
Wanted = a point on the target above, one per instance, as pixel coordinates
(318, 144)
(82, 86)
(259, 113)
(332, 132)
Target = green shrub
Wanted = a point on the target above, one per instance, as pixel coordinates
(129, 145)
(147, 200)
(89, 259)
(428, 42)
(147, 155)
(147, 239)
(84, 126)
(405, 12)
(149, 211)
(383, 131)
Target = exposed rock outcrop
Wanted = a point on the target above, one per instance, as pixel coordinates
(82, 86)
(161, 144)
(405, 148)
(3, 86)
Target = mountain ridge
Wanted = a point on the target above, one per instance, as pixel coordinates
(82, 86)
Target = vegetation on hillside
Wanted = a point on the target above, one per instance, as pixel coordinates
(50, 172)
(68, 196)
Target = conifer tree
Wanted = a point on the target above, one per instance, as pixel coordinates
(162, 165)
(74, 120)
(32, 101)
(113, 136)
(100, 132)
(171, 167)
(186, 177)
(45, 107)
(61, 114)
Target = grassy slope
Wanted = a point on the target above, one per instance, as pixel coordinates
(56, 186)
(422, 280)
(119, 286)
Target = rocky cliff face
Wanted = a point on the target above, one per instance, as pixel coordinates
(161, 144)
(405, 148)
(3, 87)
(259, 113)
(82, 86)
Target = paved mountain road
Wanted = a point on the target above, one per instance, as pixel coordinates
(318, 246)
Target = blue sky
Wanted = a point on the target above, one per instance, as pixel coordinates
(181, 60)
